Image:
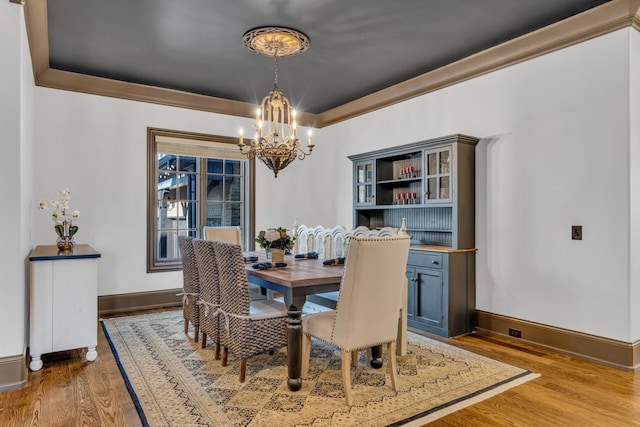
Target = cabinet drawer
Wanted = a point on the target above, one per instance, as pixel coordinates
(425, 259)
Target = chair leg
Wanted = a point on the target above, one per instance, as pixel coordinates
(243, 369)
(306, 354)
(186, 326)
(204, 340)
(224, 356)
(354, 358)
(391, 364)
(197, 333)
(346, 375)
(217, 351)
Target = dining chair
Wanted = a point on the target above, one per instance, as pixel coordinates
(369, 301)
(223, 234)
(209, 301)
(190, 285)
(230, 235)
(247, 327)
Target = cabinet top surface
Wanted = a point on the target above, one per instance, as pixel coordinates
(419, 145)
(50, 252)
(438, 248)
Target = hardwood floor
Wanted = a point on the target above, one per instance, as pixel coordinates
(69, 391)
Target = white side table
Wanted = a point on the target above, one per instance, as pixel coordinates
(64, 301)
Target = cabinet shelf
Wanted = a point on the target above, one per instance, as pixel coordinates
(416, 206)
(400, 181)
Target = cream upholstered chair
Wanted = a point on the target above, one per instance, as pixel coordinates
(223, 234)
(209, 301)
(247, 327)
(190, 285)
(368, 303)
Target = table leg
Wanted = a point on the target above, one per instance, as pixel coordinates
(294, 348)
(297, 301)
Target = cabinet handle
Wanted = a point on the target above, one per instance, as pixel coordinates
(413, 279)
(435, 262)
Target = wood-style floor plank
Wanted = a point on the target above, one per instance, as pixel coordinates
(69, 391)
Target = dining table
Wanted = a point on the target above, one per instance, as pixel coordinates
(300, 277)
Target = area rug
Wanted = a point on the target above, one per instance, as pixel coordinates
(173, 382)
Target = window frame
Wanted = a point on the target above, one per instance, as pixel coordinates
(194, 141)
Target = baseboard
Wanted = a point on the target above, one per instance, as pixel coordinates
(120, 303)
(618, 354)
(13, 372)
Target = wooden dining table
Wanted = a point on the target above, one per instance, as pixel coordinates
(301, 277)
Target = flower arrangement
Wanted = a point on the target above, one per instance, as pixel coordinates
(275, 238)
(64, 220)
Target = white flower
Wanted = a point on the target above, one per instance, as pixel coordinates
(60, 208)
(272, 235)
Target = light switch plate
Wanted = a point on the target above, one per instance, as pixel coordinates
(576, 232)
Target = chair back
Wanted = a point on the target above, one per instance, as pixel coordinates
(232, 277)
(223, 234)
(207, 273)
(189, 268)
(371, 291)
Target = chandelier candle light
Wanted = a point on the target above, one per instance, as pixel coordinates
(276, 140)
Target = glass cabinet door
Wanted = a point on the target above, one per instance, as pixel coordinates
(438, 175)
(364, 183)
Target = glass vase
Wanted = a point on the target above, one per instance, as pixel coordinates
(66, 243)
(277, 255)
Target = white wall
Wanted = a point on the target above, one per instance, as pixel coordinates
(13, 216)
(634, 190)
(554, 152)
(96, 147)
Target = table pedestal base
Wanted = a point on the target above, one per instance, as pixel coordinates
(294, 348)
(376, 357)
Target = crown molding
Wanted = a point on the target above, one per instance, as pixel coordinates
(593, 23)
(609, 17)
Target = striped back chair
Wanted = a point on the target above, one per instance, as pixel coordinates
(209, 293)
(190, 286)
(247, 327)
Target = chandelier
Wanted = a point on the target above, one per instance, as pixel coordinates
(276, 140)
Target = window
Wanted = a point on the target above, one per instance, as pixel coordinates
(194, 180)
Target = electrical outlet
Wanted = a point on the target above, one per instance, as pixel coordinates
(576, 232)
(515, 333)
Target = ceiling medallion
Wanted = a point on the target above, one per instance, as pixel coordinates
(276, 141)
(276, 41)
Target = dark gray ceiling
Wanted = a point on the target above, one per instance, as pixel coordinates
(357, 46)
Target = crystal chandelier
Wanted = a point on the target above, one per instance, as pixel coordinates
(276, 140)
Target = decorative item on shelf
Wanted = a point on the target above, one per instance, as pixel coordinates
(64, 220)
(277, 145)
(275, 241)
(403, 227)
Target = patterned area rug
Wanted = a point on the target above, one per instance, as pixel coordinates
(174, 382)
